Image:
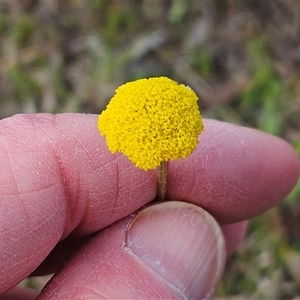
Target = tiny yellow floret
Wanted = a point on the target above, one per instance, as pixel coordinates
(151, 121)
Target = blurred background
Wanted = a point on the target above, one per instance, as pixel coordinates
(241, 57)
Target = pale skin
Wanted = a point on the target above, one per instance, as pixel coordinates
(59, 183)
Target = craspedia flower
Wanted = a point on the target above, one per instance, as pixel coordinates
(152, 121)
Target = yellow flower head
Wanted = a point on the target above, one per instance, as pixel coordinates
(151, 121)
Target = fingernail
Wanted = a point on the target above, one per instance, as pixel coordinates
(182, 243)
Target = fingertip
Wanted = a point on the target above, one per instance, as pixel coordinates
(235, 173)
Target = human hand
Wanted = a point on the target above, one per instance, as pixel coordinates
(59, 185)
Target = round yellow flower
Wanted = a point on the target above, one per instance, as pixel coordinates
(151, 121)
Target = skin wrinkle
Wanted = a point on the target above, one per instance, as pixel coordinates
(72, 205)
(153, 273)
(64, 187)
(39, 129)
(62, 175)
(24, 193)
(72, 209)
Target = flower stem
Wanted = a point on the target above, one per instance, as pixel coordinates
(162, 181)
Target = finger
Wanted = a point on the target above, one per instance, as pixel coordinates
(171, 250)
(236, 172)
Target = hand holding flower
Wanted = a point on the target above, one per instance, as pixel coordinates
(59, 183)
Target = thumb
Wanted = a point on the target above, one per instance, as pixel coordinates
(168, 250)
